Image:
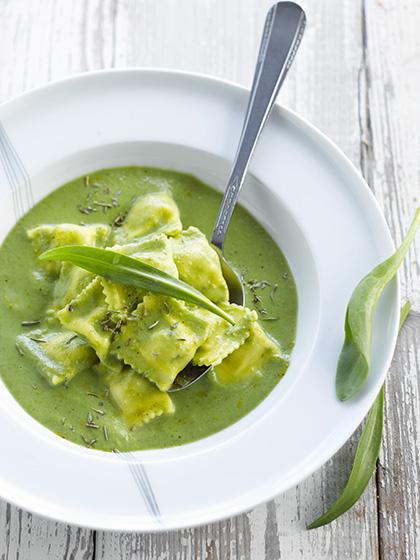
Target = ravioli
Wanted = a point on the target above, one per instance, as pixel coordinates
(224, 338)
(249, 359)
(58, 355)
(153, 250)
(151, 213)
(163, 339)
(70, 282)
(198, 264)
(88, 316)
(47, 236)
(138, 399)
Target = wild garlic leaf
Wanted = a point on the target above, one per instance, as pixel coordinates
(133, 272)
(364, 464)
(367, 454)
(354, 361)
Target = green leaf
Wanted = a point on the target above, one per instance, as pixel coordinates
(367, 454)
(354, 361)
(405, 310)
(133, 272)
(364, 465)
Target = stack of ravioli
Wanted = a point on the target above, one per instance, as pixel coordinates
(139, 341)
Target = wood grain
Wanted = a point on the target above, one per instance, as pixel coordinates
(353, 78)
(26, 536)
(392, 45)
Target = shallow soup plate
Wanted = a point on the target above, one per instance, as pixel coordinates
(317, 208)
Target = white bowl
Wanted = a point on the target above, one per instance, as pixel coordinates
(314, 204)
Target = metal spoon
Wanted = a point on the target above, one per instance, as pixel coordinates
(283, 30)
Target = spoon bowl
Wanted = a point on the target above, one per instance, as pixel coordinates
(233, 280)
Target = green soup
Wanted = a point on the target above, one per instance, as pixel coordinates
(202, 409)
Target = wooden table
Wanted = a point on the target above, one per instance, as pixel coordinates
(357, 78)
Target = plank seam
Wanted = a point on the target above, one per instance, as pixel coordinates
(366, 166)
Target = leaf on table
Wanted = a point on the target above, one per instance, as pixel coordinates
(367, 454)
(354, 361)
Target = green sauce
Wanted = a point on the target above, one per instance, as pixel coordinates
(201, 410)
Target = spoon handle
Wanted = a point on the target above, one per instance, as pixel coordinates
(281, 37)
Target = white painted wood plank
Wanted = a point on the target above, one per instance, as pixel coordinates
(24, 536)
(393, 57)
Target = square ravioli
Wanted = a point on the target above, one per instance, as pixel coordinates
(199, 265)
(162, 339)
(88, 315)
(58, 355)
(48, 236)
(224, 338)
(151, 213)
(249, 359)
(138, 399)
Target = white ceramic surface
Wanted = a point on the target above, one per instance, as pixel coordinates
(314, 204)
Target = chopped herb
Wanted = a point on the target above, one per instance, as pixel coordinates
(104, 205)
(174, 326)
(70, 307)
(92, 425)
(285, 275)
(258, 284)
(86, 209)
(113, 322)
(39, 340)
(115, 450)
(89, 418)
(273, 292)
(35, 387)
(89, 442)
(29, 323)
(87, 181)
(101, 412)
(63, 420)
(92, 395)
(255, 285)
(153, 325)
(181, 339)
(105, 431)
(71, 338)
(120, 219)
(19, 349)
(270, 318)
(167, 308)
